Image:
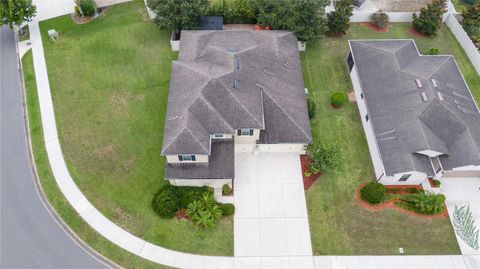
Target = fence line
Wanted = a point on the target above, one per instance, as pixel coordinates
(467, 44)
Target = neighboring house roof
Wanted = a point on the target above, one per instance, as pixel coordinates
(227, 80)
(403, 123)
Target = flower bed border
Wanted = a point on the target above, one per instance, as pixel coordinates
(307, 180)
(390, 204)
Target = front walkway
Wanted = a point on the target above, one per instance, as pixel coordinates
(271, 215)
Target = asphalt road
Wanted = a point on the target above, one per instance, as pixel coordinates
(30, 237)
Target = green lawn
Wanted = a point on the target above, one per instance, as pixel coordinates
(109, 81)
(339, 226)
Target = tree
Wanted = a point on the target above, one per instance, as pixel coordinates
(429, 20)
(178, 14)
(338, 21)
(205, 212)
(471, 19)
(16, 12)
(305, 18)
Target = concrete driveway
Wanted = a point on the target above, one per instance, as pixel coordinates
(463, 191)
(271, 215)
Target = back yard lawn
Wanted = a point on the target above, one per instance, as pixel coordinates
(338, 225)
(109, 81)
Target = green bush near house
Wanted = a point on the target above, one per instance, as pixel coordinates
(424, 203)
(85, 8)
(227, 209)
(226, 190)
(324, 157)
(380, 19)
(205, 212)
(433, 51)
(373, 192)
(165, 203)
(436, 183)
(338, 99)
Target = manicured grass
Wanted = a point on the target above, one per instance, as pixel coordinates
(338, 225)
(53, 193)
(109, 80)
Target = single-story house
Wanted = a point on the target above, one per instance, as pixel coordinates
(418, 114)
(232, 91)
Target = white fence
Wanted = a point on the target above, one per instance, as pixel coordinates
(465, 41)
(393, 16)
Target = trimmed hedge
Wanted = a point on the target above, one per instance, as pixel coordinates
(226, 190)
(373, 192)
(338, 99)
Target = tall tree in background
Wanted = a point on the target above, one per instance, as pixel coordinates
(16, 12)
(339, 19)
(471, 19)
(303, 17)
(178, 14)
(430, 18)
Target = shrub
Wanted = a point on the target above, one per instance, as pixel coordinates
(373, 192)
(380, 19)
(324, 157)
(239, 11)
(433, 51)
(87, 7)
(436, 183)
(471, 19)
(177, 15)
(413, 190)
(338, 99)
(205, 212)
(186, 195)
(430, 17)
(169, 199)
(470, 2)
(425, 203)
(227, 209)
(77, 11)
(226, 190)
(165, 203)
(312, 108)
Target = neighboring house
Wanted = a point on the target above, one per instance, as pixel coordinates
(232, 91)
(418, 114)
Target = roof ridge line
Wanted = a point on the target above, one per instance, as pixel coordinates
(286, 114)
(203, 97)
(238, 101)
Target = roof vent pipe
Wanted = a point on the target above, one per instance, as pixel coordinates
(434, 82)
(424, 96)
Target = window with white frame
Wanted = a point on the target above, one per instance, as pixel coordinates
(245, 132)
(218, 135)
(186, 157)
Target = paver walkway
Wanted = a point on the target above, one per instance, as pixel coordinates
(271, 215)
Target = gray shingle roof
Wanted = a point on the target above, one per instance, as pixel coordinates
(403, 123)
(220, 164)
(269, 90)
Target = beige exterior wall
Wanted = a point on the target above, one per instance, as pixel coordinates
(214, 183)
(282, 148)
(415, 179)
(248, 139)
(198, 159)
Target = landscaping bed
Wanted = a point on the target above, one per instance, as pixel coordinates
(308, 179)
(338, 224)
(109, 80)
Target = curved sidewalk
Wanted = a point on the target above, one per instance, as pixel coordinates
(176, 259)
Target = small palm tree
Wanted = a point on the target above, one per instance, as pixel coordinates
(205, 212)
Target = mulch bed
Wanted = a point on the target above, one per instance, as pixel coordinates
(390, 204)
(307, 181)
(430, 180)
(374, 28)
(81, 20)
(181, 214)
